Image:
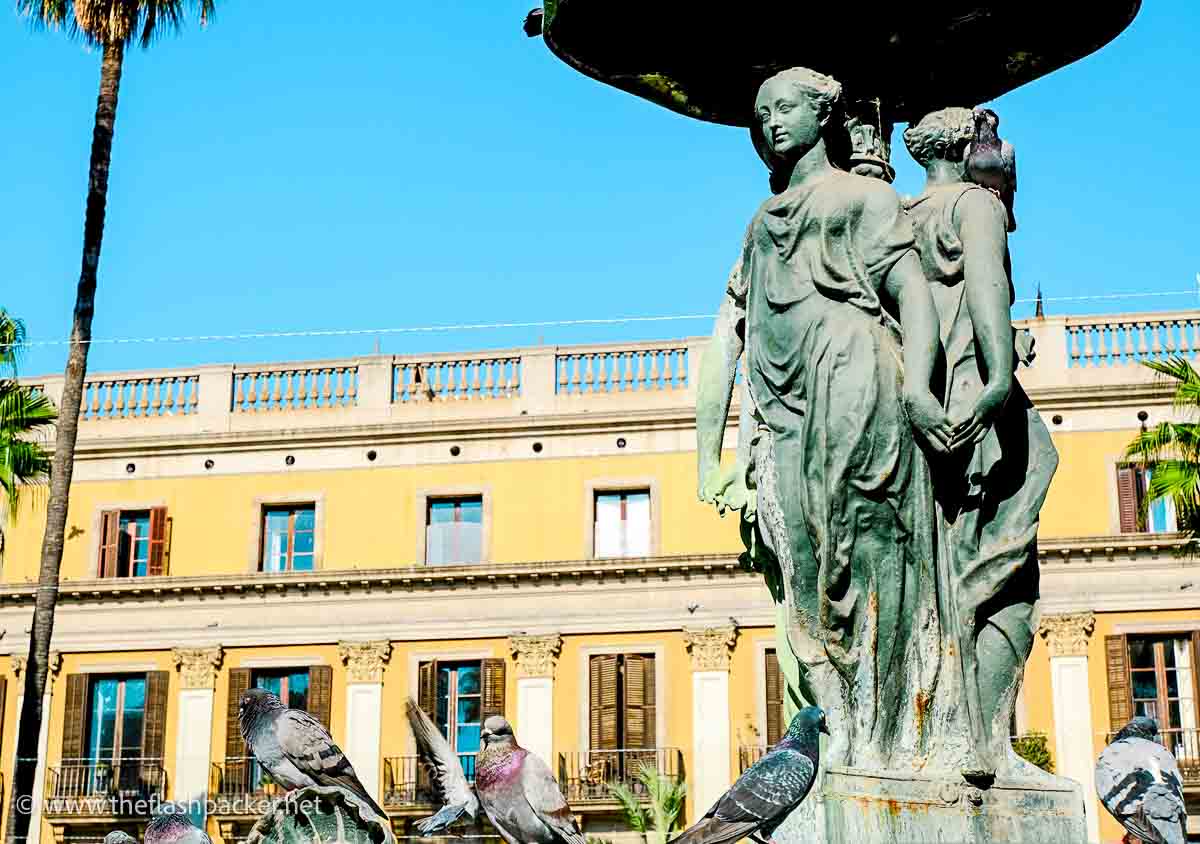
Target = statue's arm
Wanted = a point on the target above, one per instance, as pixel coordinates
(906, 285)
(982, 223)
(714, 393)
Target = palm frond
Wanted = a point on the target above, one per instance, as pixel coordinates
(116, 21)
(23, 410)
(1182, 438)
(12, 340)
(632, 808)
(1179, 368)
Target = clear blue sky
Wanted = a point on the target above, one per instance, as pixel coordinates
(366, 165)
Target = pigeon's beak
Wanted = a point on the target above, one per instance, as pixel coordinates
(485, 735)
(824, 727)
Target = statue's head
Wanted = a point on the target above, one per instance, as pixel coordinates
(794, 110)
(941, 136)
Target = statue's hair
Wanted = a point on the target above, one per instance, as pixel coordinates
(940, 135)
(825, 94)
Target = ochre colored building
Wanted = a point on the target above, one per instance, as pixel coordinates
(515, 532)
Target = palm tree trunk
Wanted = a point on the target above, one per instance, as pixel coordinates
(64, 451)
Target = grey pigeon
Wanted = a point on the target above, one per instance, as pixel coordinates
(533, 22)
(768, 791)
(119, 837)
(171, 824)
(992, 163)
(295, 747)
(1138, 781)
(456, 794)
(517, 791)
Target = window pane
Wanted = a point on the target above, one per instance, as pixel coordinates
(1172, 684)
(133, 719)
(303, 543)
(1173, 710)
(306, 518)
(273, 683)
(468, 710)
(471, 510)
(1144, 685)
(467, 739)
(637, 525)
(609, 536)
(1141, 653)
(468, 679)
(447, 543)
(441, 512)
(1148, 708)
(443, 699)
(298, 690)
(302, 562)
(103, 728)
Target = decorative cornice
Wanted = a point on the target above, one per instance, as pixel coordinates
(198, 666)
(711, 647)
(364, 660)
(536, 656)
(1067, 635)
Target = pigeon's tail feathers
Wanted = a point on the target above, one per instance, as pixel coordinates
(713, 830)
(443, 819)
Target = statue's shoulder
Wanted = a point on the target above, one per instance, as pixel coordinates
(871, 194)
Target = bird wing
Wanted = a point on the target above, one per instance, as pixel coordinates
(443, 763)
(1138, 781)
(308, 745)
(546, 799)
(772, 787)
(1008, 159)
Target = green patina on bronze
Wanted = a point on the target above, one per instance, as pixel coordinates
(324, 814)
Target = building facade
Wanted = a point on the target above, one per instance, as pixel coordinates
(515, 532)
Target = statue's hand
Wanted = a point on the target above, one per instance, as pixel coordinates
(929, 420)
(713, 483)
(738, 496)
(972, 430)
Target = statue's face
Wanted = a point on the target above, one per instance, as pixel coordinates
(790, 124)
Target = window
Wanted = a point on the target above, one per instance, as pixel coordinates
(288, 537)
(133, 542)
(622, 707)
(459, 696)
(774, 697)
(622, 524)
(290, 685)
(454, 530)
(1137, 515)
(1163, 684)
(116, 719)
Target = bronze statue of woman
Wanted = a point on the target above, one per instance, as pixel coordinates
(839, 491)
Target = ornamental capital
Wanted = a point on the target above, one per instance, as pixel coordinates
(536, 656)
(1067, 634)
(53, 665)
(198, 666)
(365, 660)
(711, 648)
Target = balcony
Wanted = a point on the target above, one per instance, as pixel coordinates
(748, 754)
(1184, 745)
(239, 788)
(586, 777)
(407, 787)
(82, 791)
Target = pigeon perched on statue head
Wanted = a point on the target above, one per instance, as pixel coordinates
(296, 748)
(1138, 782)
(992, 163)
(171, 824)
(769, 790)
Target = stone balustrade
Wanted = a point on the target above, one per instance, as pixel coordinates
(1074, 356)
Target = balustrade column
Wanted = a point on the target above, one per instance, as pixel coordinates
(711, 649)
(364, 708)
(1074, 751)
(193, 734)
(536, 658)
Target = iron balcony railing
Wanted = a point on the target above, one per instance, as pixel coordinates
(406, 782)
(1184, 745)
(240, 786)
(127, 787)
(748, 754)
(589, 775)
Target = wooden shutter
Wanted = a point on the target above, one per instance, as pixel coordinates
(603, 707)
(158, 542)
(492, 702)
(1195, 666)
(74, 717)
(3, 701)
(1120, 699)
(1127, 498)
(154, 729)
(774, 695)
(427, 688)
(235, 748)
(110, 527)
(320, 693)
(640, 720)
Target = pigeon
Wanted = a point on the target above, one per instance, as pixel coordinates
(171, 824)
(533, 22)
(1139, 783)
(446, 771)
(295, 747)
(768, 791)
(992, 163)
(119, 837)
(518, 793)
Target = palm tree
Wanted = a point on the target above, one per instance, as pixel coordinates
(24, 413)
(665, 803)
(111, 26)
(1173, 448)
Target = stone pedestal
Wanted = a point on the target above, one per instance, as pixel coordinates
(863, 806)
